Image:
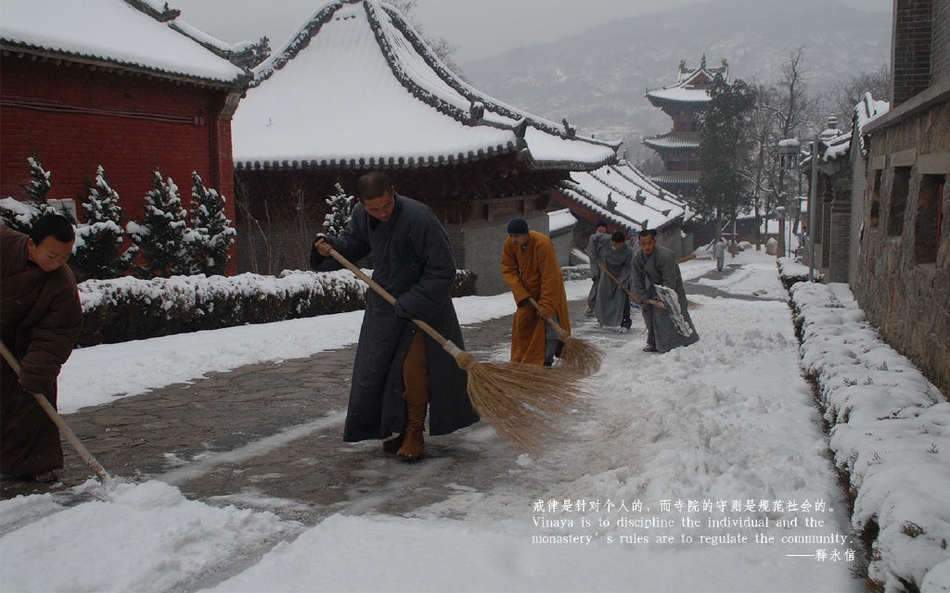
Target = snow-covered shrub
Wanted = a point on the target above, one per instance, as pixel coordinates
(889, 434)
(341, 208)
(161, 235)
(124, 309)
(210, 235)
(19, 216)
(99, 238)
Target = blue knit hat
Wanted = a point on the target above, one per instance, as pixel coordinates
(601, 223)
(517, 226)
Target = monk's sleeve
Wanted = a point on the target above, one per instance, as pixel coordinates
(52, 341)
(552, 280)
(511, 272)
(668, 270)
(433, 289)
(639, 285)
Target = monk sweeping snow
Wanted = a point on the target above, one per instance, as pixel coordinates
(399, 373)
(530, 268)
(41, 318)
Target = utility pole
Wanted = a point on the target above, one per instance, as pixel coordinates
(812, 205)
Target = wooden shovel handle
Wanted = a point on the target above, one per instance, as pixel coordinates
(94, 465)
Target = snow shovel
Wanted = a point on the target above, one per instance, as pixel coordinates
(578, 356)
(94, 465)
(522, 402)
(671, 304)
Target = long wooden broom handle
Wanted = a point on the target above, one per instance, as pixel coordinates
(94, 465)
(614, 278)
(629, 294)
(447, 345)
(561, 332)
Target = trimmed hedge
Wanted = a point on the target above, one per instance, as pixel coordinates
(125, 309)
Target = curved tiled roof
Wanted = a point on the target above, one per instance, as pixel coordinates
(635, 201)
(677, 177)
(114, 33)
(358, 88)
(673, 140)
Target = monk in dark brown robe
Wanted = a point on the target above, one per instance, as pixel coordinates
(40, 321)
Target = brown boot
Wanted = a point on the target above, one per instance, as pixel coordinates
(393, 443)
(415, 424)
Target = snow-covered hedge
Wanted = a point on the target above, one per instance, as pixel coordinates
(129, 308)
(791, 271)
(890, 431)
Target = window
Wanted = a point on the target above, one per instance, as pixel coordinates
(927, 226)
(876, 199)
(895, 216)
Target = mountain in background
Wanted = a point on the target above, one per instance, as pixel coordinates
(597, 79)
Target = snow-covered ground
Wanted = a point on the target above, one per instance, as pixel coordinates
(703, 469)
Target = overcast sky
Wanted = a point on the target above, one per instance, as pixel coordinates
(478, 28)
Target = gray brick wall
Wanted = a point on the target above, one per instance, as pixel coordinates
(911, 48)
(940, 60)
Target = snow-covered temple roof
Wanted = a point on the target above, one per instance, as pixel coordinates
(138, 35)
(636, 202)
(357, 87)
(691, 85)
(673, 140)
(837, 143)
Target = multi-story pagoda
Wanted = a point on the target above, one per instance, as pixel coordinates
(679, 148)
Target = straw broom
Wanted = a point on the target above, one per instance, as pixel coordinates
(522, 402)
(94, 465)
(578, 356)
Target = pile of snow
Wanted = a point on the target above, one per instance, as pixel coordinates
(890, 432)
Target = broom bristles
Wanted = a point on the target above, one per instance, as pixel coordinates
(524, 403)
(580, 357)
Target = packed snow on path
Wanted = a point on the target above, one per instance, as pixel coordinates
(703, 469)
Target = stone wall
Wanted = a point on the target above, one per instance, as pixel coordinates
(478, 249)
(909, 301)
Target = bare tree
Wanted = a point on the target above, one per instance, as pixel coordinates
(846, 94)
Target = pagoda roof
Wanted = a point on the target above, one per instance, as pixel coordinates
(673, 140)
(357, 87)
(143, 36)
(691, 85)
(676, 178)
(638, 202)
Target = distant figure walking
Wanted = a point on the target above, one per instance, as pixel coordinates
(719, 250)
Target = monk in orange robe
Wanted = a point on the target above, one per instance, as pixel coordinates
(530, 267)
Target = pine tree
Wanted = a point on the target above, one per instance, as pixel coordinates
(20, 215)
(724, 149)
(161, 236)
(341, 208)
(211, 236)
(99, 239)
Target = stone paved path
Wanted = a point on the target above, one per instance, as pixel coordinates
(268, 436)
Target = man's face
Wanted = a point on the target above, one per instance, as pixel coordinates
(616, 245)
(381, 208)
(647, 244)
(601, 229)
(50, 254)
(519, 240)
